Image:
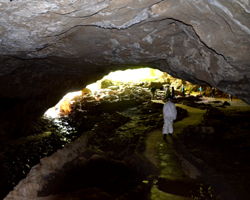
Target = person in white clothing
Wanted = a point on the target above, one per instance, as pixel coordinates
(169, 115)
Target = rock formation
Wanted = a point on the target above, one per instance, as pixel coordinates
(49, 48)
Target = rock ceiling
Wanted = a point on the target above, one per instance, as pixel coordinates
(49, 48)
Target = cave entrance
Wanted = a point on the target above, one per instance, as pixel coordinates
(109, 84)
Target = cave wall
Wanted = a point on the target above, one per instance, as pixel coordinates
(49, 48)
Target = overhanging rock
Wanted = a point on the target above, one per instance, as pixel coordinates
(49, 48)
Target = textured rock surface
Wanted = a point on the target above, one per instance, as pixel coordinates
(48, 48)
(36, 179)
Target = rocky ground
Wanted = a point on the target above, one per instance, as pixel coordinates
(115, 135)
(118, 138)
(221, 141)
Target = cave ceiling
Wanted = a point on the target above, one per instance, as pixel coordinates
(52, 47)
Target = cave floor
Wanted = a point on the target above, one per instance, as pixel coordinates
(179, 174)
(184, 176)
(172, 165)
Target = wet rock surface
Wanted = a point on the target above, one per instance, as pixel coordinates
(18, 156)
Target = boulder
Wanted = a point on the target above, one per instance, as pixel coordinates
(106, 83)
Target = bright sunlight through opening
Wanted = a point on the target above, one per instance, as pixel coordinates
(130, 75)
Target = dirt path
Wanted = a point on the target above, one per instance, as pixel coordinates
(172, 166)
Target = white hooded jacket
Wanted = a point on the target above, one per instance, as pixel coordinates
(169, 115)
(169, 111)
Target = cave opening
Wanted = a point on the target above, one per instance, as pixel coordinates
(109, 85)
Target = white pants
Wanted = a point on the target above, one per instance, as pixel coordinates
(168, 126)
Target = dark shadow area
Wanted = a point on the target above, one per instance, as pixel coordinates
(222, 142)
(190, 189)
(110, 177)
